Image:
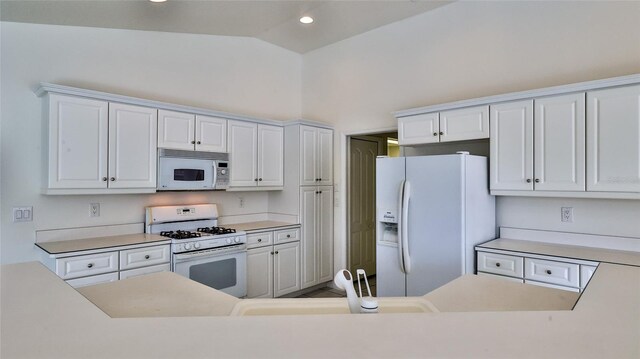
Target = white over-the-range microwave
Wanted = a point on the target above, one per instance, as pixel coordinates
(192, 170)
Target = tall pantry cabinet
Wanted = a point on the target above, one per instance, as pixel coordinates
(309, 189)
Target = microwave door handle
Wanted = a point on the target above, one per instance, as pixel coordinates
(215, 175)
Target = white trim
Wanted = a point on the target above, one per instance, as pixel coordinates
(558, 194)
(547, 91)
(74, 191)
(105, 96)
(106, 249)
(574, 239)
(253, 189)
(242, 218)
(308, 123)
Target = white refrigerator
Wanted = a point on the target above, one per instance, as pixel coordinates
(430, 211)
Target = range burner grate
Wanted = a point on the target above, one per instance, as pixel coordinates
(180, 234)
(216, 230)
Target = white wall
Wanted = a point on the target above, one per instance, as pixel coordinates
(473, 49)
(233, 74)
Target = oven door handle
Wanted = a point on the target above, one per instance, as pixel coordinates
(183, 257)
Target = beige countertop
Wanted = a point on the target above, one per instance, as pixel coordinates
(42, 316)
(164, 294)
(568, 251)
(261, 225)
(86, 244)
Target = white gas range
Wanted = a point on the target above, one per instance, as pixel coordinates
(200, 250)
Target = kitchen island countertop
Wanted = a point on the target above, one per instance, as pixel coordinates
(42, 316)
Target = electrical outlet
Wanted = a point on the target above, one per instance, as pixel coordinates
(22, 214)
(566, 214)
(94, 210)
(241, 202)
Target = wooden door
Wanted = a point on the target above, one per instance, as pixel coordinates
(78, 135)
(243, 151)
(270, 155)
(559, 151)
(362, 205)
(613, 139)
(511, 146)
(132, 146)
(176, 130)
(211, 134)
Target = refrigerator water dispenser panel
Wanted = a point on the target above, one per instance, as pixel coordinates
(389, 234)
(388, 216)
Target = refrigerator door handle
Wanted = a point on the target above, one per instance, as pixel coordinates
(404, 238)
(400, 226)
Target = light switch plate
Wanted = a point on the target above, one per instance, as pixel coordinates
(22, 214)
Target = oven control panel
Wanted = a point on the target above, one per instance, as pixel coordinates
(194, 245)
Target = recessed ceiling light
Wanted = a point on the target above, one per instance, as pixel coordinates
(157, 0)
(306, 19)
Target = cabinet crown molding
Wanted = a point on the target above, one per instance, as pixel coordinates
(512, 96)
(105, 96)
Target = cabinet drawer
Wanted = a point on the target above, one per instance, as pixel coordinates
(255, 240)
(94, 279)
(144, 257)
(145, 270)
(83, 266)
(586, 272)
(565, 274)
(510, 266)
(287, 235)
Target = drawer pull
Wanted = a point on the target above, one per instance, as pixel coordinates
(90, 265)
(288, 236)
(147, 257)
(548, 271)
(259, 239)
(498, 264)
(276, 252)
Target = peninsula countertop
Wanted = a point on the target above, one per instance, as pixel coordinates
(42, 316)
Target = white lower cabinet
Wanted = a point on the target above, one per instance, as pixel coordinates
(316, 213)
(273, 268)
(111, 265)
(554, 272)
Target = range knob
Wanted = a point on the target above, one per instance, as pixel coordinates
(196, 245)
(237, 240)
(229, 241)
(224, 172)
(187, 246)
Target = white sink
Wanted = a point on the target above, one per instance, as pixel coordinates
(311, 306)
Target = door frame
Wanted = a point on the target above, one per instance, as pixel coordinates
(345, 146)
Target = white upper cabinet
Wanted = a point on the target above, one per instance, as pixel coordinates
(270, 155)
(256, 153)
(77, 142)
(454, 125)
(613, 139)
(511, 146)
(185, 131)
(100, 147)
(316, 158)
(559, 150)
(464, 124)
(419, 129)
(176, 130)
(132, 146)
(211, 134)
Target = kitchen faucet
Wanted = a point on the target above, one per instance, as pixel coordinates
(357, 303)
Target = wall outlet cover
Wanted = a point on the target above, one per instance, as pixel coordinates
(566, 214)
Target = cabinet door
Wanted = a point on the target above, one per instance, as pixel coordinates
(132, 146)
(286, 267)
(176, 130)
(324, 239)
(464, 124)
(78, 134)
(260, 272)
(511, 146)
(211, 134)
(308, 200)
(325, 156)
(270, 155)
(308, 156)
(243, 150)
(559, 143)
(92, 280)
(418, 129)
(613, 140)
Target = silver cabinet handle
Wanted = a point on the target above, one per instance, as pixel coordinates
(90, 265)
(147, 257)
